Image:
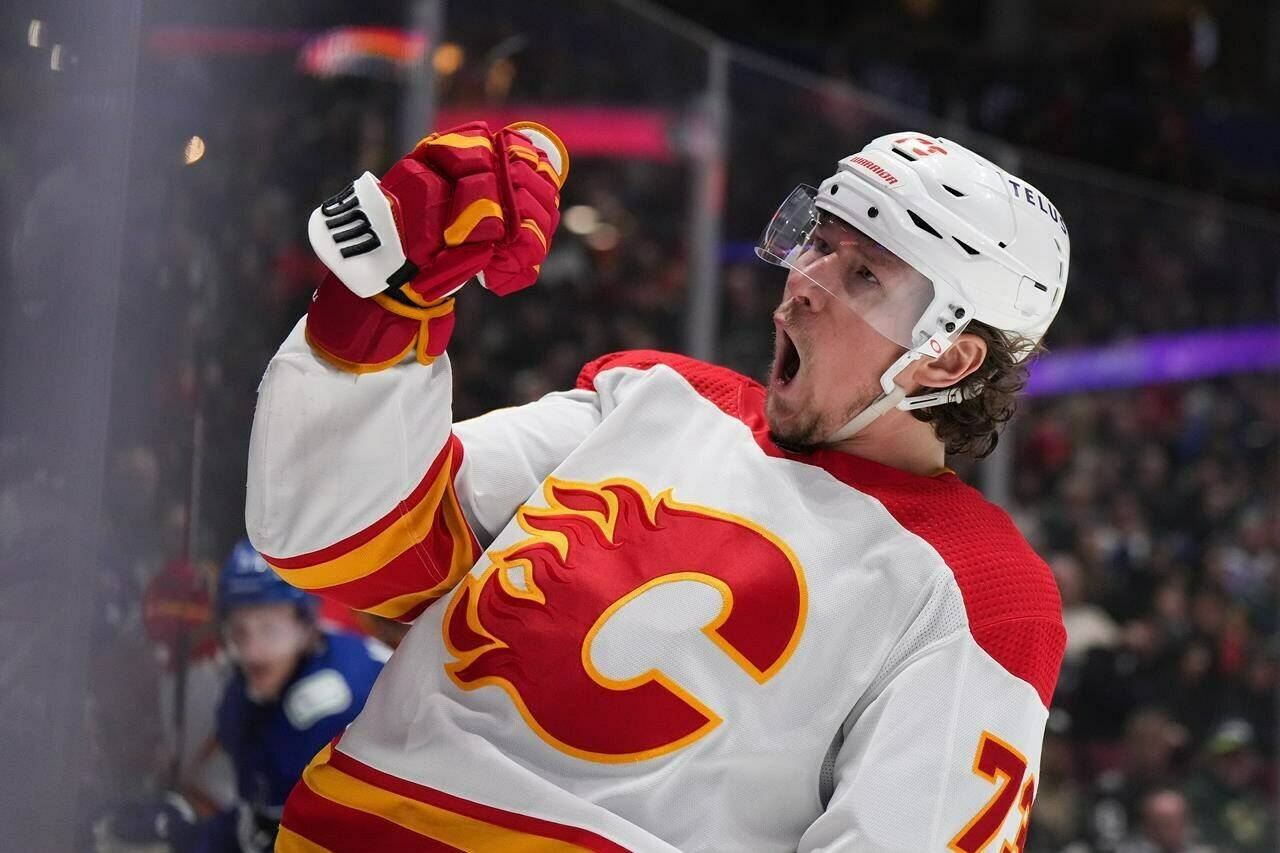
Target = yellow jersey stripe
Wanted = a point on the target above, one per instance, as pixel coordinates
(288, 841)
(401, 535)
(427, 820)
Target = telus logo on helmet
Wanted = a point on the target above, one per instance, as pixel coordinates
(1029, 195)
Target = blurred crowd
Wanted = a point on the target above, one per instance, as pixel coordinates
(1158, 513)
(1181, 91)
(1155, 508)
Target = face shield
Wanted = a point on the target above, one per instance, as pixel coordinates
(885, 291)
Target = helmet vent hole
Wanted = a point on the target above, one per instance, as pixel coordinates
(1002, 245)
(955, 192)
(965, 246)
(904, 155)
(922, 225)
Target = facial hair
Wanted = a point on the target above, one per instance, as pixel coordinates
(808, 434)
(798, 441)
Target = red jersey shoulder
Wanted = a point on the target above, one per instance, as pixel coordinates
(720, 385)
(1010, 596)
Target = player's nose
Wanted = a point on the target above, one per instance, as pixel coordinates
(806, 291)
(254, 650)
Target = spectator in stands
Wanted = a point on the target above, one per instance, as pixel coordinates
(1224, 795)
(1147, 764)
(1088, 625)
(1166, 826)
(1061, 799)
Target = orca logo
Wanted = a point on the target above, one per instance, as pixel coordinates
(342, 210)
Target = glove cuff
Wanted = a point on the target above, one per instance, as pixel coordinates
(358, 335)
(435, 320)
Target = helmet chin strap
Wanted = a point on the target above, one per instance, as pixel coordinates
(894, 396)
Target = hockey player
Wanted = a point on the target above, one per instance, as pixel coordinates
(294, 688)
(673, 608)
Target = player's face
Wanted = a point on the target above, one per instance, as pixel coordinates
(266, 641)
(827, 359)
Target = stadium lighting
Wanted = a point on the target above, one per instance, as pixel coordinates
(55, 58)
(447, 59)
(193, 150)
(581, 219)
(603, 238)
(35, 32)
(498, 81)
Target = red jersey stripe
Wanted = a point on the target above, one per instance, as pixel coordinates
(344, 805)
(433, 549)
(451, 453)
(524, 824)
(341, 829)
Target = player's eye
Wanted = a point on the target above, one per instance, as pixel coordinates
(868, 276)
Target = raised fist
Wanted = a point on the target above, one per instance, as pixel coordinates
(464, 203)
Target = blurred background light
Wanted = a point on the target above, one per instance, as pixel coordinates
(193, 150)
(499, 79)
(604, 238)
(581, 219)
(55, 58)
(447, 59)
(617, 133)
(35, 32)
(363, 52)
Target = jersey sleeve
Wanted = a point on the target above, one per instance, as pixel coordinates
(361, 490)
(944, 756)
(509, 452)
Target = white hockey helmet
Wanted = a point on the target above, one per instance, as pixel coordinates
(989, 246)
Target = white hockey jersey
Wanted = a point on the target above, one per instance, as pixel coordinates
(654, 630)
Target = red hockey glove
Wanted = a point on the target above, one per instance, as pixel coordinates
(464, 203)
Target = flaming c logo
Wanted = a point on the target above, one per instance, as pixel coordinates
(595, 548)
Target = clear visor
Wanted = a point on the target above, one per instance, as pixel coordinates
(885, 291)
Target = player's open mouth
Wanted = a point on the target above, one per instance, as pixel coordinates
(256, 671)
(786, 360)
